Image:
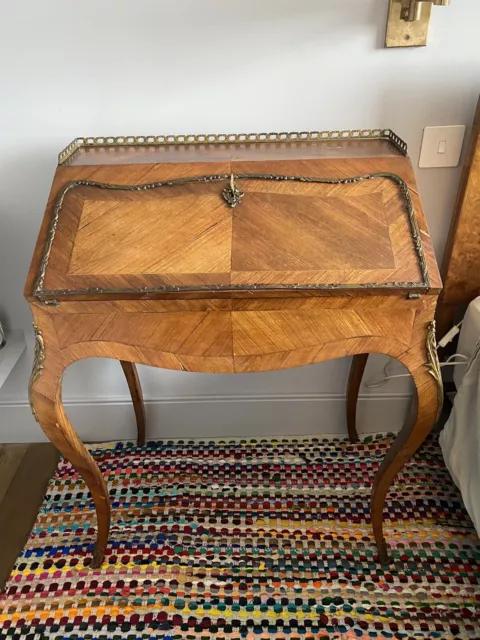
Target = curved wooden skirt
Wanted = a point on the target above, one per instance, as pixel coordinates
(233, 336)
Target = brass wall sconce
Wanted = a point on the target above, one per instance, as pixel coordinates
(408, 22)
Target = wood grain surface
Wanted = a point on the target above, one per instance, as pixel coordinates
(133, 381)
(357, 369)
(461, 261)
(283, 233)
(231, 336)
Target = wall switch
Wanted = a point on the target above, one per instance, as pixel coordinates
(441, 146)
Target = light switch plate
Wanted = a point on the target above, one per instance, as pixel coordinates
(441, 146)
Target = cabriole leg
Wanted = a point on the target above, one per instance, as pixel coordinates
(45, 393)
(359, 362)
(133, 381)
(422, 362)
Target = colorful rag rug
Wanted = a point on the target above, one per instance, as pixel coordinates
(248, 539)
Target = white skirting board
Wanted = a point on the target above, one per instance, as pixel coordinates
(203, 417)
(10, 353)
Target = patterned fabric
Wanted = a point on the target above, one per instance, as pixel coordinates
(250, 539)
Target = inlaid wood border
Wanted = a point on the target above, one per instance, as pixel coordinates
(424, 284)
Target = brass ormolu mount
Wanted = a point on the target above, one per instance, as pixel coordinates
(408, 22)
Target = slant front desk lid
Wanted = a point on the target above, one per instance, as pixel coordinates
(275, 217)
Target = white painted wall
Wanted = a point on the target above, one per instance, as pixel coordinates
(183, 66)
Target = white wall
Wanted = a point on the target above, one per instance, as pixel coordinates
(188, 66)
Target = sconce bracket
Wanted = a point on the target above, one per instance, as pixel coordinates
(401, 32)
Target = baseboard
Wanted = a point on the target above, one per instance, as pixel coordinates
(208, 416)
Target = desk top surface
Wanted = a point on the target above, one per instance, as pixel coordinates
(273, 219)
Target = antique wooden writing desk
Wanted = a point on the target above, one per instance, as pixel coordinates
(231, 255)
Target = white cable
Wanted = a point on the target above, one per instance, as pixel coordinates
(455, 355)
(386, 378)
(453, 364)
(450, 335)
(383, 380)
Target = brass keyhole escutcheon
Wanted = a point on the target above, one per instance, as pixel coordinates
(232, 194)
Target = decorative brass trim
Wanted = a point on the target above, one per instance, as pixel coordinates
(433, 365)
(232, 194)
(424, 284)
(231, 138)
(231, 288)
(38, 360)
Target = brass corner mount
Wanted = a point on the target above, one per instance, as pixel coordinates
(408, 22)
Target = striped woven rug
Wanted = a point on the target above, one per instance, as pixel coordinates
(248, 539)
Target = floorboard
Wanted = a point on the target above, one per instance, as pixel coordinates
(11, 456)
(24, 474)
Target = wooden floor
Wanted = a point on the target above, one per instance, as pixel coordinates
(25, 470)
